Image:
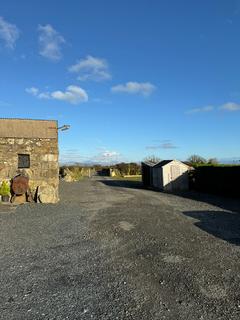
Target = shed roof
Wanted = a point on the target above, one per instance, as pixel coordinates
(148, 163)
(165, 162)
(162, 163)
(28, 128)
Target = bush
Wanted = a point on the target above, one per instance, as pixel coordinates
(5, 189)
(76, 172)
(131, 168)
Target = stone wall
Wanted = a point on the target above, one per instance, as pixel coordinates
(44, 168)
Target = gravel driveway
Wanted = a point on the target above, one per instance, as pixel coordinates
(112, 250)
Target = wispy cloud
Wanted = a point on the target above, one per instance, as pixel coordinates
(50, 42)
(152, 147)
(91, 68)
(5, 104)
(232, 160)
(72, 94)
(9, 33)
(142, 88)
(230, 106)
(161, 140)
(33, 91)
(166, 144)
(72, 156)
(229, 21)
(200, 110)
(76, 156)
(102, 101)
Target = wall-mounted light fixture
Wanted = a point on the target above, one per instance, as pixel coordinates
(64, 127)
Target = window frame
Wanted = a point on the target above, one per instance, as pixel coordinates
(26, 159)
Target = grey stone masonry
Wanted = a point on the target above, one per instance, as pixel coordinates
(43, 171)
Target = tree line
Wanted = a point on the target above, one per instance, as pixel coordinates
(193, 160)
(134, 168)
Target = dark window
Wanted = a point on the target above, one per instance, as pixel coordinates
(23, 161)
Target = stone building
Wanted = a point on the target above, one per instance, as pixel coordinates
(31, 147)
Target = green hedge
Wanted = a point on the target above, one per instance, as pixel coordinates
(223, 180)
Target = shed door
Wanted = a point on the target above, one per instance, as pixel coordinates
(157, 178)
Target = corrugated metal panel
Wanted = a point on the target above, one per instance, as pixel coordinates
(25, 128)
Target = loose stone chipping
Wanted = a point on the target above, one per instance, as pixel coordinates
(39, 140)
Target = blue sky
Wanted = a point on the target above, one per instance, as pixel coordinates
(132, 78)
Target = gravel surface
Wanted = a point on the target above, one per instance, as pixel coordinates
(112, 250)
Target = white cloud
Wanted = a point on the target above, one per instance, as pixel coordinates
(33, 91)
(107, 156)
(230, 106)
(44, 95)
(200, 110)
(110, 154)
(91, 68)
(143, 88)
(50, 42)
(9, 33)
(72, 94)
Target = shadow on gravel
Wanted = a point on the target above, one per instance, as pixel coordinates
(123, 184)
(221, 224)
(226, 203)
